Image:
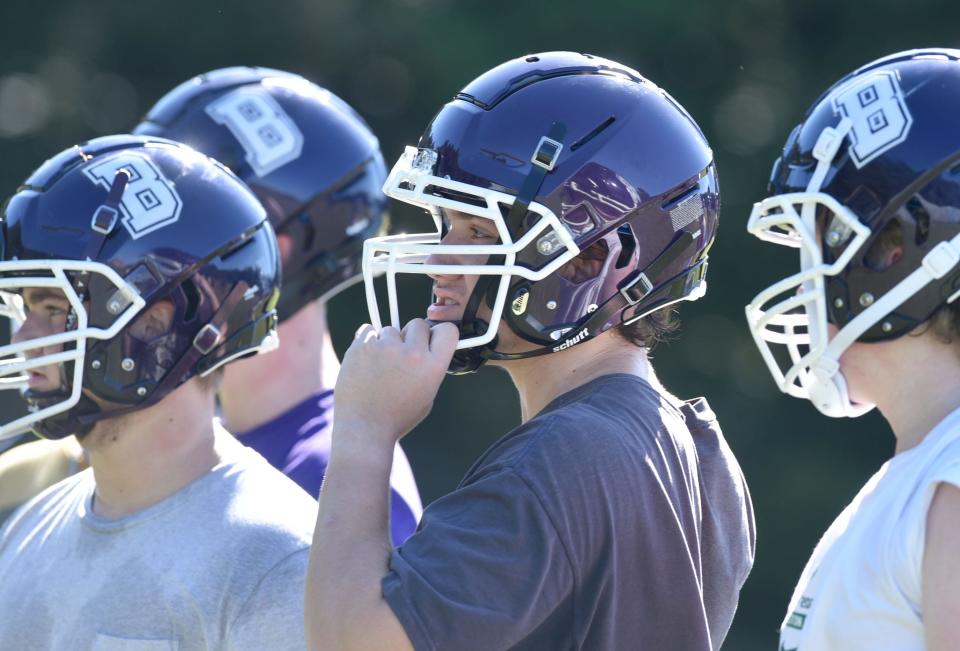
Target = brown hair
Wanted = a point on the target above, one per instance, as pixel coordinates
(945, 324)
(655, 327)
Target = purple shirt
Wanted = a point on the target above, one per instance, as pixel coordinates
(298, 444)
(617, 518)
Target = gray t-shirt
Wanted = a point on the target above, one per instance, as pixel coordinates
(614, 519)
(219, 565)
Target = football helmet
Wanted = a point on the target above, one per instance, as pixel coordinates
(118, 224)
(877, 155)
(311, 160)
(559, 151)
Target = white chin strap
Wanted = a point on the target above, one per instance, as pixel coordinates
(828, 392)
(792, 313)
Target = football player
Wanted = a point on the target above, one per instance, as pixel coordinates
(317, 169)
(868, 189)
(133, 269)
(574, 202)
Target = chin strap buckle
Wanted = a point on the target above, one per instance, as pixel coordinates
(628, 292)
(207, 339)
(547, 153)
(104, 220)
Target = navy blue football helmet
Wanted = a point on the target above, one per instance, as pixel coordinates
(559, 151)
(311, 160)
(118, 224)
(875, 164)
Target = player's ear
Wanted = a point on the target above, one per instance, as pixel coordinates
(154, 322)
(285, 244)
(893, 256)
(887, 249)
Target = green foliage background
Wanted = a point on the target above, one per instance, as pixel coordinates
(746, 70)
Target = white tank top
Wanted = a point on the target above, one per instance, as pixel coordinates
(862, 587)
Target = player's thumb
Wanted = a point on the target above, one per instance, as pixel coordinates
(443, 340)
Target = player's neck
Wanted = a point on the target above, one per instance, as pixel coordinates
(540, 380)
(919, 389)
(142, 458)
(261, 388)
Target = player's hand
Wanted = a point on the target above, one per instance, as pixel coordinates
(389, 379)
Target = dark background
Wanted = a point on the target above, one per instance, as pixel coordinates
(745, 69)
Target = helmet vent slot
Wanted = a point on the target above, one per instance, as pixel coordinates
(628, 243)
(307, 236)
(593, 134)
(235, 250)
(192, 297)
(463, 197)
(678, 198)
(921, 218)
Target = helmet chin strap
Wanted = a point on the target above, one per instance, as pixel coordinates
(828, 393)
(468, 360)
(61, 426)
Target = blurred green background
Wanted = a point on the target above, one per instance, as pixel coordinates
(745, 69)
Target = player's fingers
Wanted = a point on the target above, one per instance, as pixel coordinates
(365, 333)
(443, 340)
(389, 333)
(417, 334)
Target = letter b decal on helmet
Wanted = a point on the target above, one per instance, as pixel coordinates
(149, 201)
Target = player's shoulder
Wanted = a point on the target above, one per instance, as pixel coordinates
(617, 407)
(28, 469)
(604, 417)
(266, 505)
(54, 507)
(937, 457)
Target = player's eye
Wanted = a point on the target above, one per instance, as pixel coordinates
(50, 309)
(481, 234)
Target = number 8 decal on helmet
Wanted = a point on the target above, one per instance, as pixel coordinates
(270, 138)
(879, 114)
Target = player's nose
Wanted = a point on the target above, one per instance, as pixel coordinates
(446, 260)
(31, 328)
